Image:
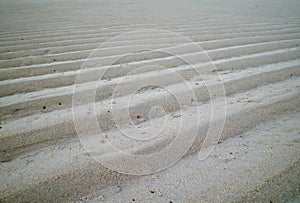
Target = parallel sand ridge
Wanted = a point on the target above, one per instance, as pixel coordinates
(254, 47)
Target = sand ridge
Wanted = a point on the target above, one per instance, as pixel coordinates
(250, 47)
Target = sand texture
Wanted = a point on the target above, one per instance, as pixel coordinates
(215, 75)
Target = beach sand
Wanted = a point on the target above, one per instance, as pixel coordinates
(209, 88)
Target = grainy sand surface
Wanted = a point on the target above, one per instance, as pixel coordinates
(151, 54)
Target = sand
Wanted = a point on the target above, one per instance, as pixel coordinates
(206, 92)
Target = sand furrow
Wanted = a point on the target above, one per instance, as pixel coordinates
(93, 46)
(194, 37)
(61, 120)
(208, 45)
(30, 84)
(119, 26)
(65, 56)
(61, 97)
(52, 173)
(172, 74)
(185, 29)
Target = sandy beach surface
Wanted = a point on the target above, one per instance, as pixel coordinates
(149, 101)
